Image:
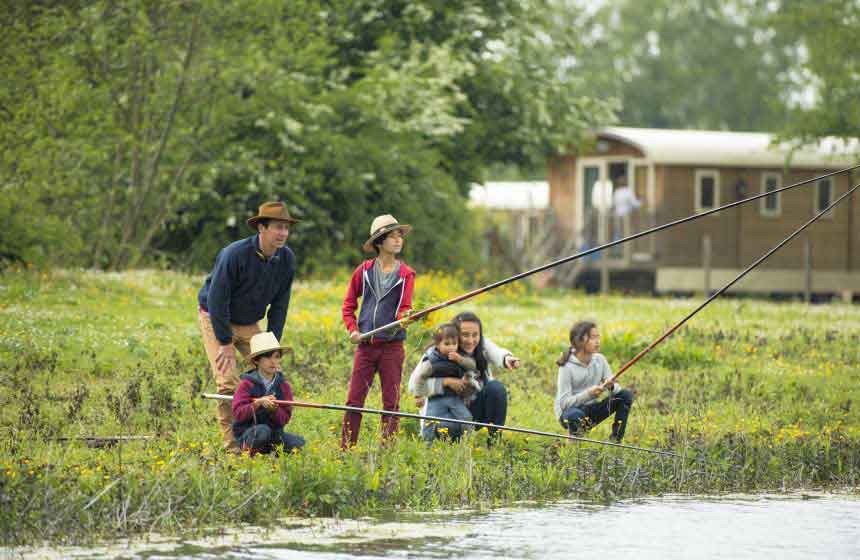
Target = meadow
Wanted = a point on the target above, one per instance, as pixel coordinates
(755, 396)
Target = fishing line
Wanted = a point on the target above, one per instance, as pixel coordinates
(722, 290)
(453, 421)
(417, 315)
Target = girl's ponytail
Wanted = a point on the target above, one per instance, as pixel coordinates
(565, 356)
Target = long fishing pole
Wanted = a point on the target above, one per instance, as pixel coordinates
(453, 421)
(722, 290)
(655, 229)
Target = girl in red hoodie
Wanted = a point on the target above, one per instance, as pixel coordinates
(385, 285)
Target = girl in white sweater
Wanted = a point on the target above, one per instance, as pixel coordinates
(583, 376)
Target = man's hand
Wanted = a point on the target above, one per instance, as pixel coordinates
(512, 362)
(225, 360)
(268, 402)
(355, 337)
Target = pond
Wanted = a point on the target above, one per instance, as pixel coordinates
(770, 526)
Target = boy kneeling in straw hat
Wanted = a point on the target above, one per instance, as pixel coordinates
(385, 286)
(259, 420)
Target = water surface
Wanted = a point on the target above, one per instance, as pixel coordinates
(761, 527)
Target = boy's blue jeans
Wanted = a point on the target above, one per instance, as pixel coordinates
(262, 438)
(580, 419)
(446, 406)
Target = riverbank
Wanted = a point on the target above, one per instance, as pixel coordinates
(755, 396)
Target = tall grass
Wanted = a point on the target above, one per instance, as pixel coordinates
(753, 395)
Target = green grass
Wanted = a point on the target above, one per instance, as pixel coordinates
(756, 396)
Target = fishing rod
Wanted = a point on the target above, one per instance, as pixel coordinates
(417, 315)
(722, 290)
(453, 421)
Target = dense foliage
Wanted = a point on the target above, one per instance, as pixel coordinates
(144, 132)
(148, 130)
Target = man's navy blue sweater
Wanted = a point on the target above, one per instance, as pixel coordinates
(243, 283)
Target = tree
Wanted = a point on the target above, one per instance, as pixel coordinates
(116, 110)
(826, 84)
(152, 128)
(707, 64)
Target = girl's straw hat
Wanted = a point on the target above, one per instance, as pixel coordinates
(263, 343)
(382, 225)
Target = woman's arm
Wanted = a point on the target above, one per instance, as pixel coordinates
(495, 354)
(420, 382)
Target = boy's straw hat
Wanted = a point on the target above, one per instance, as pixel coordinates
(272, 211)
(263, 343)
(382, 225)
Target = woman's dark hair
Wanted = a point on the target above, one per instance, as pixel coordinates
(578, 334)
(480, 359)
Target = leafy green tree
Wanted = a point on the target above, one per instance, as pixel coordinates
(150, 129)
(407, 104)
(707, 64)
(111, 109)
(826, 84)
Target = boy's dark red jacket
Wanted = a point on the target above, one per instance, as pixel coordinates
(250, 388)
(377, 310)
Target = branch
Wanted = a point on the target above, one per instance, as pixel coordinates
(152, 172)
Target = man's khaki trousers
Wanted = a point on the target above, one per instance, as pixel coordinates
(226, 382)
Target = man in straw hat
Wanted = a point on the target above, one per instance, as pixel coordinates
(249, 275)
(260, 421)
(385, 286)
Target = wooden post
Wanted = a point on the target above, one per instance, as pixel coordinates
(706, 263)
(807, 263)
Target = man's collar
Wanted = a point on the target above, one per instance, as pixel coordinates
(274, 258)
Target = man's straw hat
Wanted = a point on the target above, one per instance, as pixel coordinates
(382, 225)
(272, 211)
(263, 343)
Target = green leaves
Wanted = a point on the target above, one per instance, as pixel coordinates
(151, 129)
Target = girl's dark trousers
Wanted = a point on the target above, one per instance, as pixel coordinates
(578, 420)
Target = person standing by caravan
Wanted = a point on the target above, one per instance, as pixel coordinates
(385, 285)
(624, 202)
(249, 275)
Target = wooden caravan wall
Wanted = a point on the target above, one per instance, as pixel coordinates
(562, 190)
(741, 235)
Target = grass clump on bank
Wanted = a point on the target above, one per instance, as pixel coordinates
(755, 396)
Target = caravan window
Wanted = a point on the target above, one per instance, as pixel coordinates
(771, 205)
(823, 196)
(707, 189)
